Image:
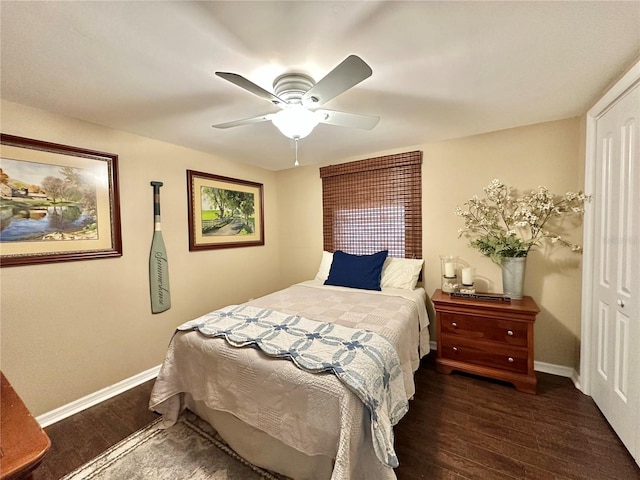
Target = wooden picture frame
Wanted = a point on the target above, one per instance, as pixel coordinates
(224, 212)
(57, 203)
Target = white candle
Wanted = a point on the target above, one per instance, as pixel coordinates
(467, 278)
(449, 271)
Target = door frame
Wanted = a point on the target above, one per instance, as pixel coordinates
(624, 84)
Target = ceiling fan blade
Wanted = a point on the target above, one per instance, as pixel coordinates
(343, 119)
(350, 72)
(242, 82)
(247, 121)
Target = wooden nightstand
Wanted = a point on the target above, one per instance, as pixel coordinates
(492, 339)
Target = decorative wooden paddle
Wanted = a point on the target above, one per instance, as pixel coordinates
(158, 263)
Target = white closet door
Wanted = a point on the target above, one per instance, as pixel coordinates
(615, 357)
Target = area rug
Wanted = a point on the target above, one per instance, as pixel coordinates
(191, 449)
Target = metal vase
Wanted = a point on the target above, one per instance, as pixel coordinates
(513, 276)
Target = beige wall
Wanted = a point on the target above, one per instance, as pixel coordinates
(72, 328)
(300, 227)
(544, 154)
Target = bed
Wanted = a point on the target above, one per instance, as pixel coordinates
(286, 419)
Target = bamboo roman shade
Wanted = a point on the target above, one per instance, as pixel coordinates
(374, 204)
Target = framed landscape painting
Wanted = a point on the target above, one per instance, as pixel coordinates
(224, 212)
(57, 203)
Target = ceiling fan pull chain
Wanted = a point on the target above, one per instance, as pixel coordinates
(296, 164)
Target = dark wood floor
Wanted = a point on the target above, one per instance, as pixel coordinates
(458, 427)
(83, 436)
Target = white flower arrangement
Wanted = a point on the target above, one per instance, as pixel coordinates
(502, 225)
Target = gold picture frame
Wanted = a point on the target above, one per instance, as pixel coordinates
(224, 212)
(57, 203)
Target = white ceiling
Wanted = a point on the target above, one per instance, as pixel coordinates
(441, 70)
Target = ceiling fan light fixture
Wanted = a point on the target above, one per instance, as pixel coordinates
(295, 121)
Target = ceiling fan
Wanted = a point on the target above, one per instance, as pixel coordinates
(299, 98)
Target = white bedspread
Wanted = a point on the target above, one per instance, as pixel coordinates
(313, 413)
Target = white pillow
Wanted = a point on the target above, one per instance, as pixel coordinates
(401, 273)
(325, 266)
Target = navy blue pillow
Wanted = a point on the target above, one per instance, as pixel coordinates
(356, 271)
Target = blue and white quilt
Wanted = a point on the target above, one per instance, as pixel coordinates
(366, 362)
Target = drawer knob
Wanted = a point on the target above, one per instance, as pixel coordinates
(455, 349)
(510, 333)
(454, 325)
(510, 359)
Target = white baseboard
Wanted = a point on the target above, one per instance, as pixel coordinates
(92, 399)
(553, 369)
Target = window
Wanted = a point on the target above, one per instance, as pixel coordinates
(374, 204)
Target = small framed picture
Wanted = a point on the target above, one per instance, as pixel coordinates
(57, 203)
(224, 212)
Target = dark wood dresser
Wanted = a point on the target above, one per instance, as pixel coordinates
(23, 444)
(487, 338)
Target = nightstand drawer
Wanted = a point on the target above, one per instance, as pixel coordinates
(482, 328)
(487, 354)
